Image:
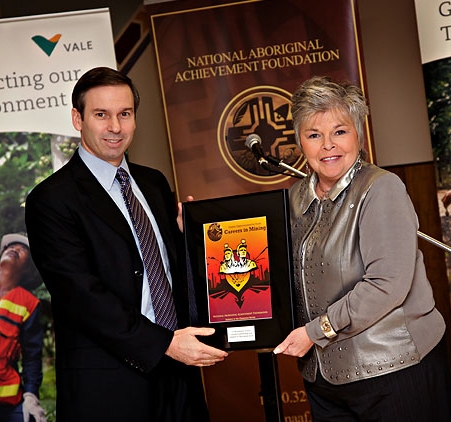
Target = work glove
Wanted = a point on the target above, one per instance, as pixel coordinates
(31, 406)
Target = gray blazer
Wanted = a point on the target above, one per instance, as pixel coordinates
(356, 259)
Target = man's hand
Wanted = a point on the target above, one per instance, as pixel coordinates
(186, 348)
(179, 214)
(32, 407)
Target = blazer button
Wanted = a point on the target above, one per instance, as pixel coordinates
(138, 273)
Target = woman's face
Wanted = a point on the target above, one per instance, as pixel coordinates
(330, 144)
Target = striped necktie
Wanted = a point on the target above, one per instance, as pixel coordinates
(160, 290)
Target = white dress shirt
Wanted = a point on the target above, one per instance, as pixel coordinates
(105, 173)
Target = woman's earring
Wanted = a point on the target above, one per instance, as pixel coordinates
(358, 164)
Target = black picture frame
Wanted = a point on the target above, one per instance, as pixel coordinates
(270, 213)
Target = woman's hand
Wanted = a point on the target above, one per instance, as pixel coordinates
(297, 343)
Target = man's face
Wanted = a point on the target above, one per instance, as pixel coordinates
(108, 123)
(15, 254)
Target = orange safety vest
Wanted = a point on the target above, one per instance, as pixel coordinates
(15, 308)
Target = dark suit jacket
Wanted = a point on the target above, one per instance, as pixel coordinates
(110, 361)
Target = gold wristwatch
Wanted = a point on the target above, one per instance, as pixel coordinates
(326, 327)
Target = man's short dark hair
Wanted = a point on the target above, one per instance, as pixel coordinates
(100, 76)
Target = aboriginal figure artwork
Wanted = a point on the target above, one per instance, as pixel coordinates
(238, 270)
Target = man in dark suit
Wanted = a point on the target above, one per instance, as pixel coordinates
(114, 362)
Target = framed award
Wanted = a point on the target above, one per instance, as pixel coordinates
(239, 256)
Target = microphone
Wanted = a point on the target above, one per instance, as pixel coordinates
(254, 143)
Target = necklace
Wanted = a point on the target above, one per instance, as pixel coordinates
(325, 193)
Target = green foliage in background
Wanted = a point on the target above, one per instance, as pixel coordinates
(25, 160)
(437, 77)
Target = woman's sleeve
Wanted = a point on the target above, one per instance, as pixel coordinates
(388, 245)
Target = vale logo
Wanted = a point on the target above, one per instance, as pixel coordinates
(47, 45)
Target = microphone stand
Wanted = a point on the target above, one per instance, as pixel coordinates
(280, 163)
(435, 242)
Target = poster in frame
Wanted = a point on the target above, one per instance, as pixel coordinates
(239, 251)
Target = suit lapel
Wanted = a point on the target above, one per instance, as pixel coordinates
(98, 200)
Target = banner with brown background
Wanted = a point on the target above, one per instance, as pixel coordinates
(227, 70)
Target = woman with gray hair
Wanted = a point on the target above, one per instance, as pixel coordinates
(370, 341)
(21, 333)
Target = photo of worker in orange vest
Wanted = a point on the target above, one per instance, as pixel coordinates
(21, 333)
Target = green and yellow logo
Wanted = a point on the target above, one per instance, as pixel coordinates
(47, 45)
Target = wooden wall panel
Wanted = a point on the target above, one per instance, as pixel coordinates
(420, 181)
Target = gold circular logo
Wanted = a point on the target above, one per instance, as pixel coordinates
(265, 111)
(214, 232)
